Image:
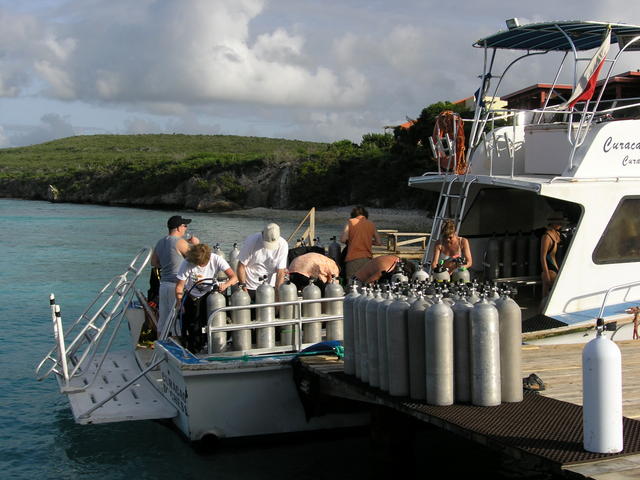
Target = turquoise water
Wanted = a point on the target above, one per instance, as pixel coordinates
(73, 250)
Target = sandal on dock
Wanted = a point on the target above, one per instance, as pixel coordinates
(533, 382)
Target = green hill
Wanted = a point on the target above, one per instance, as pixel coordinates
(211, 172)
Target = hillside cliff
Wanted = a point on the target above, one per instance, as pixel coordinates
(205, 173)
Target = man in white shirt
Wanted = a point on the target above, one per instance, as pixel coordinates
(263, 253)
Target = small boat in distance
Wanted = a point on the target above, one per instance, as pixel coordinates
(576, 153)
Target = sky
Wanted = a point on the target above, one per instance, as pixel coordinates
(322, 70)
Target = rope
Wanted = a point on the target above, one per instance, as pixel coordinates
(450, 123)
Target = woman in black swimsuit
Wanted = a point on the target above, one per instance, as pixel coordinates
(548, 249)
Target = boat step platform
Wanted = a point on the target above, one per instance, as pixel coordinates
(139, 401)
(540, 429)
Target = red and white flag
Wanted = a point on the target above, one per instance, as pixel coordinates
(587, 85)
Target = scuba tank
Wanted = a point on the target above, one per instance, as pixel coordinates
(334, 250)
(265, 293)
(241, 338)
(492, 263)
(311, 332)
(420, 275)
(335, 329)
(461, 274)
(218, 251)
(287, 292)
(440, 273)
(398, 274)
(234, 255)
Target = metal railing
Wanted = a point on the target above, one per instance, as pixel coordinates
(89, 329)
(297, 339)
(613, 289)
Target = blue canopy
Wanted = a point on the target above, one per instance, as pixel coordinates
(552, 36)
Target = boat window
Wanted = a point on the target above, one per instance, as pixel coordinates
(620, 242)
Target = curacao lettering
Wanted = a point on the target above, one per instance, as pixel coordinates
(609, 145)
(178, 396)
(626, 161)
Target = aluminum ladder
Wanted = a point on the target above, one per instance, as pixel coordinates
(443, 211)
(105, 313)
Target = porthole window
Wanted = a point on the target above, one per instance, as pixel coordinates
(620, 241)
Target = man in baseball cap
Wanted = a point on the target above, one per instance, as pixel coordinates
(177, 221)
(166, 257)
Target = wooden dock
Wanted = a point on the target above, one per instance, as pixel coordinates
(560, 368)
(409, 245)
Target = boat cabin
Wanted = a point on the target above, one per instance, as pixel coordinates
(572, 150)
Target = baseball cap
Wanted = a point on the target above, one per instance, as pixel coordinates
(176, 221)
(270, 236)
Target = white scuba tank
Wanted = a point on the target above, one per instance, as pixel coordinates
(461, 275)
(602, 394)
(420, 275)
(440, 273)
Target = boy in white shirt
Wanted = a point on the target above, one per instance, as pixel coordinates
(197, 275)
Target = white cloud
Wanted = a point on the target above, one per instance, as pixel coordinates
(51, 126)
(188, 52)
(314, 70)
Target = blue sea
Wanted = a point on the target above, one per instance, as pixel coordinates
(72, 251)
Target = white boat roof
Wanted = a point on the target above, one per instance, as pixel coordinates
(559, 36)
(534, 183)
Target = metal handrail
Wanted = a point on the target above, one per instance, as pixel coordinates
(299, 320)
(612, 289)
(119, 286)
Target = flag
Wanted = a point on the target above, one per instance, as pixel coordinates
(587, 84)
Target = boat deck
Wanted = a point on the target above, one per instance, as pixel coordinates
(546, 427)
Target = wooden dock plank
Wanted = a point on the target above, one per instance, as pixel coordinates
(560, 368)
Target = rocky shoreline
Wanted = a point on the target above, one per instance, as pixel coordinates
(384, 218)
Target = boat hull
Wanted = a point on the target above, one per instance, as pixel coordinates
(229, 399)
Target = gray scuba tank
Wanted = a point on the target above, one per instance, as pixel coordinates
(216, 300)
(334, 251)
(265, 293)
(218, 251)
(349, 333)
(335, 328)
(485, 354)
(311, 332)
(241, 338)
(234, 256)
(287, 292)
(439, 353)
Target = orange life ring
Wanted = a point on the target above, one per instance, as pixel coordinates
(450, 123)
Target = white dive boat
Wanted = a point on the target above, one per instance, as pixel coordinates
(224, 391)
(582, 160)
